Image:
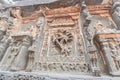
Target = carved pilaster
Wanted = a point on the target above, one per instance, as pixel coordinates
(88, 33)
(109, 44)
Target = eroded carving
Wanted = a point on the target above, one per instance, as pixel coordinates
(14, 53)
(61, 39)
(115, 12)
(53, 40)
(4, 41)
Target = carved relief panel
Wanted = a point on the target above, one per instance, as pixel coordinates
(60, 40)
(62, 49)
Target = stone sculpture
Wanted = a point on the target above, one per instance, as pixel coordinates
(86, 14)
(61, 38)
(14, 53)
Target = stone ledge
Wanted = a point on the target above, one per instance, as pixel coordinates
(48, 76)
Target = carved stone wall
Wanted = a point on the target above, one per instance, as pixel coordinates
(79, 39)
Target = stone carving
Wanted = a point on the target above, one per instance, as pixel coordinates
(71, 39)
(9, 58)
(31, 55)
(16, 12)
(89, 33)
(19, 63)
(86, 14)
(100, 28)
(115, 55)
(111, 52)
(115, 12)
(12, 58)
(61, 39)
(3, 37)
(32, 76)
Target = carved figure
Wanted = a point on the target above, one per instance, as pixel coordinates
(14, 52)
(17, 19)
(16, 12)
(10, 55)
(85, 11)
(94, 59)
(16, 55)
(86, 14)
(61, 38)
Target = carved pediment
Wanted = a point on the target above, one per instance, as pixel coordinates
(62, 21)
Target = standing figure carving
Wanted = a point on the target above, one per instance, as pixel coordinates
(86, 14)
(3, 38)
(10, 55)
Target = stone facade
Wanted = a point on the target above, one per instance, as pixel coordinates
(77, 39)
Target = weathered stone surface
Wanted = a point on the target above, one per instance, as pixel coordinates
(40, 76)
(78, 39)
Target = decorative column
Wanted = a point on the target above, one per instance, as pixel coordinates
(3, 63)
(108, 43)
(110, 62)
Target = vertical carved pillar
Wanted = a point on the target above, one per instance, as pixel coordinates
(109, 45)
(39, 41)
(88, 33)
(3, 64)
(110, 62)
(31, 59)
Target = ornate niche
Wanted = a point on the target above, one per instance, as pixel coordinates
(62, 40)
(110, 48)
(62, 49)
